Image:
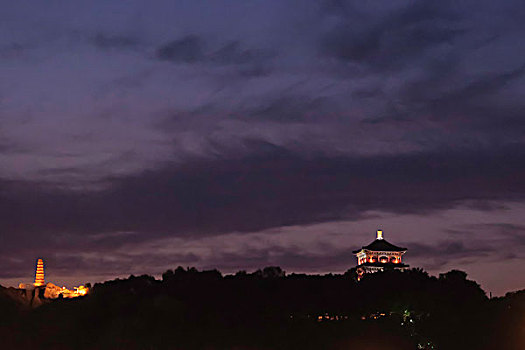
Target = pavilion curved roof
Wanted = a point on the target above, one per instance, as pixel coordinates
(381, 245)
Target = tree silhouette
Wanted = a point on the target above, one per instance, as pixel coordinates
(267, 309)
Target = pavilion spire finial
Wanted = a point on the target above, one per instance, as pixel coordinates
(379, 234)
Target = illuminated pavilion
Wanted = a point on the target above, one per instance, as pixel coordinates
(378, 255)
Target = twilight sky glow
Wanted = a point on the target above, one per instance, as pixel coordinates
(136, 136)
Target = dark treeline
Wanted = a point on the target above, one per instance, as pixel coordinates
(267, 309)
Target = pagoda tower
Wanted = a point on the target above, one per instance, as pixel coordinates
(379, 255)
(39, 275)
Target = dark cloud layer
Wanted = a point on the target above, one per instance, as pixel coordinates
(392, 40)
(188, 49)
(275, 188)
(193, 49)
(125, 125)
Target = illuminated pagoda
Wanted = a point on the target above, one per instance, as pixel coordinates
(51, 291)
(378, 255)
(39, 275)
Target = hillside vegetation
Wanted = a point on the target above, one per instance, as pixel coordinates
(190, 309)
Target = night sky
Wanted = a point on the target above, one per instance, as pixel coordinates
(136, 136)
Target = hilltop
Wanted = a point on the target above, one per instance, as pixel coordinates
(267, 309)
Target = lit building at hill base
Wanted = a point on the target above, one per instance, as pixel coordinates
(52, 291)
(378, 255)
